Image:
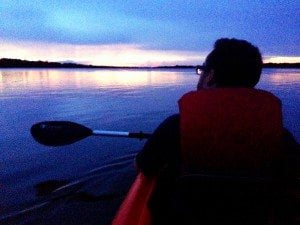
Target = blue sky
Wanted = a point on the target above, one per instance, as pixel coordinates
(184, 30)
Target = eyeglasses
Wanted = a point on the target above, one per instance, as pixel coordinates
(201, 69)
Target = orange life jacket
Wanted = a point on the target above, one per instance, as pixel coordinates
(230, 130)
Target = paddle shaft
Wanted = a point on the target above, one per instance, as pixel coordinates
(140, 135)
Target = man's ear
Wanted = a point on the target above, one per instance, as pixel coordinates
(211, 79)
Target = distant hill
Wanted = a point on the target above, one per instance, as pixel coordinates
(18, 63)
(282, 65)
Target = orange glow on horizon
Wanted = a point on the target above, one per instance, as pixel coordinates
(282, 59)
(111, 55)
(107, 55)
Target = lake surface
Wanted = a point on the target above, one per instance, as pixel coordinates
(125, 100)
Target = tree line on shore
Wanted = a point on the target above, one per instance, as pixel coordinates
(18, 63)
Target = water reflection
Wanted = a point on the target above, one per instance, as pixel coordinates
(281, 77)
(101, 99)
(12, 80)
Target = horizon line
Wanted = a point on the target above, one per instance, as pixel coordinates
(19, 63)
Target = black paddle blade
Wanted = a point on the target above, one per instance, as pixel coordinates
(57, 133)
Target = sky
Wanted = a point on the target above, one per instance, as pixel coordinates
(144, 32)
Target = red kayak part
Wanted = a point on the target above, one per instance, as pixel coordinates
(134, 209)
(230, 130)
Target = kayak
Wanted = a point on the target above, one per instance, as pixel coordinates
(134, 209)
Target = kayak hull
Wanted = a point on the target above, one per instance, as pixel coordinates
(134, 209)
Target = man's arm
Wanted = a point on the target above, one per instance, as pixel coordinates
(162, 148)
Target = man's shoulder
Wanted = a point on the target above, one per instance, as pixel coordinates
(173, 118)
(170, 122)
(167, 128)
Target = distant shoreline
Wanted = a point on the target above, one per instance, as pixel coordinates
(17, 63)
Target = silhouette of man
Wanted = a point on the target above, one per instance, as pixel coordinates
(232, 64)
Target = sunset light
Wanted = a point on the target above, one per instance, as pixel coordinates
(282, 59)
(108, 55)
(111, 55)
(114, 33)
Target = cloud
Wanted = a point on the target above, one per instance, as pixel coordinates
(156, 25)
(58, 26)
(110, 54)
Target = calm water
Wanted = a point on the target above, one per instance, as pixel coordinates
(100, 99)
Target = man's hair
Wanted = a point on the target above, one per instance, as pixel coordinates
(236, 63)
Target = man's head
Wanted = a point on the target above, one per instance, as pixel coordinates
(232, 63)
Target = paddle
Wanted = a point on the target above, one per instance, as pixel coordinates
(57, 133)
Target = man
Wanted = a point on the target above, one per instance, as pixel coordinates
(232, 64)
